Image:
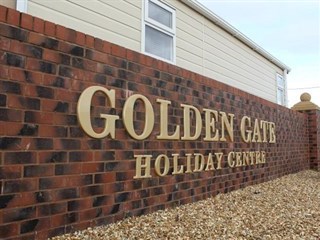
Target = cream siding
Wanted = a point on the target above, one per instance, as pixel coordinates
(222, 57)
(116, 21)
(201, 46)
(8, 3)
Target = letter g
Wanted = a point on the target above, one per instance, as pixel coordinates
(83, 112)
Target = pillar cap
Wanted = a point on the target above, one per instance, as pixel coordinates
(305, 103)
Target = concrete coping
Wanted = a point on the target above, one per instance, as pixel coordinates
(305, 103)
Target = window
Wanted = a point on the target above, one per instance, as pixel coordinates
(281, 93)
(22, 5)
(159, 30)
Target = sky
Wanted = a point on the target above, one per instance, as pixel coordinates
(288, 30)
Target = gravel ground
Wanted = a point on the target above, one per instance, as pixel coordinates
(285, 208)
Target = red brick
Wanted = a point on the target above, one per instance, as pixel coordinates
(52, 157)
(80, 38)
(133, 56)
(106, 47)
(94, 167)
(11, 172)
(26, 21)
(97, 56)
(25, 76)
(11, 115)
(38, 25)
(13, 17)
(98, 44)
(58, 220)
(5, 44)
(4, 72)
(53, 131)
(39, 117)
(51, 55)
(89, 41)
(9, 230)
(118, 51)
(50, 29)
(18, 47)
(23, 199)
(20, 185)
(55, 81)
(65, 33)
(68, 169)
(3, 13)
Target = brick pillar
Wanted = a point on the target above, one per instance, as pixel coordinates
(313, 113)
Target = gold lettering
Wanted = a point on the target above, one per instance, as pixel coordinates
(157, 165)
(175, 165)
(251, 154)
(210, 165)
(246, 159)
(83, 112)
(164, 121)
(272, 132)
(139, 166)
(128, 114)
(186, 122)
(226, 124)
(263, 157)
(264, 126)
(199, 162)
(238, 159)
(231, 161)
(245, 134)
(188, 155)
(256, 132)
(219, 158)
(257, 157)
(211, 116)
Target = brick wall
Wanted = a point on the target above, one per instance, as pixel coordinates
(314, 138)
(54, 179)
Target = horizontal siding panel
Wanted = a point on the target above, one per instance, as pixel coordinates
(237, 51)
(185, 63)
(237, 71)
(137, 4)
(183, 43)
(222, 36)
(132, 8)
(188, 16)
(78, 18)
(111, 12)
(187, 34)
(233, 63)
(189, 57)
(226, 76)
(225, 51)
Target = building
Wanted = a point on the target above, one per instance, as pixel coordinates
(182, 32)
(92, 132)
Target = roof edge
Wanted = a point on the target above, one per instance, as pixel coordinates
(197, 6)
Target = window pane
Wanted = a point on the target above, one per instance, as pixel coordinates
(160, 14)
(280, 96)
(158, 43)
(280, 81)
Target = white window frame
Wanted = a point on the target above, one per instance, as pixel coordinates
(283, 89)
(22, 5)
(146, 21)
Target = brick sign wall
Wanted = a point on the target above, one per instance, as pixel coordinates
(54, 178)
